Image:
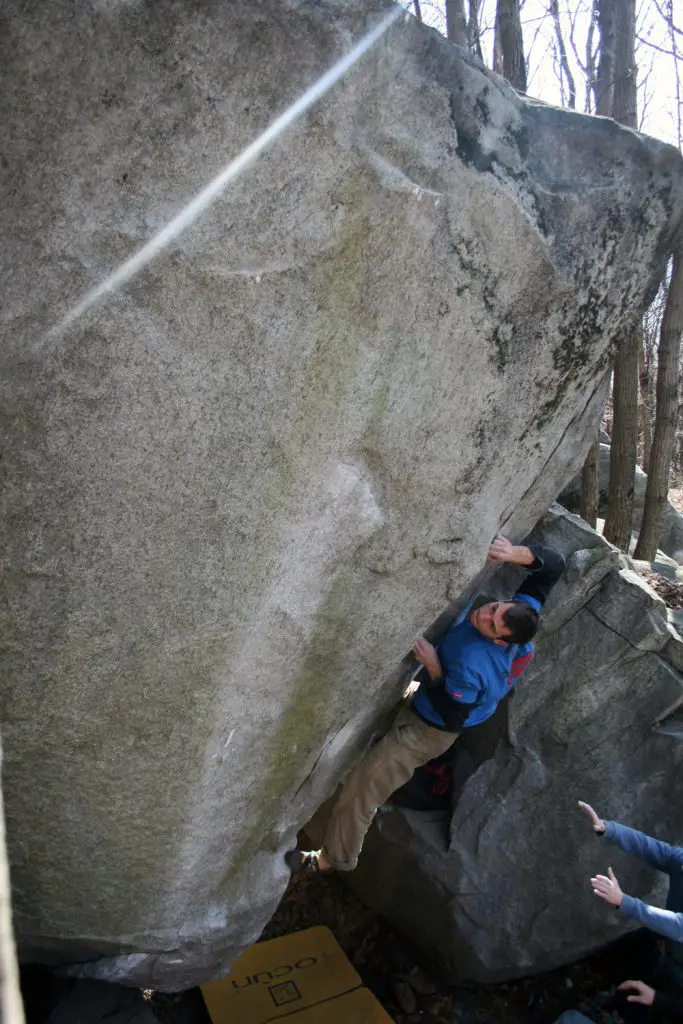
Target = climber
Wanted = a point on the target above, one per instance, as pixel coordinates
(464, 677)
(659, 961)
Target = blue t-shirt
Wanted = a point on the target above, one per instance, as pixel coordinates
(476, 670)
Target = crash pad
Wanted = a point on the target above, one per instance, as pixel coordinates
(304, 976)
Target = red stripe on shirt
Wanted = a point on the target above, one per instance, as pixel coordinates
(518, 666)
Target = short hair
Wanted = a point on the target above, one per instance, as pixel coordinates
(521, 621)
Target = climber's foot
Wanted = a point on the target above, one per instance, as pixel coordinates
(311, 862)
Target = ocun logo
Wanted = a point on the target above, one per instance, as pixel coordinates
(265, 977)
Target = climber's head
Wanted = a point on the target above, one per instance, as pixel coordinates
(506, 622)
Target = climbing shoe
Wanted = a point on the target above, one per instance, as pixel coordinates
(307, 861)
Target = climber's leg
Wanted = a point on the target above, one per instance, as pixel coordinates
(385, 768)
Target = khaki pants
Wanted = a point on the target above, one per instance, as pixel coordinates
(385, 768)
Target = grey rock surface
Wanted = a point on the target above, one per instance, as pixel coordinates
(596, 717)
(236, 491)
(671, 539)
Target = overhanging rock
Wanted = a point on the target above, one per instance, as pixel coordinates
(504, 891)
(237, 491)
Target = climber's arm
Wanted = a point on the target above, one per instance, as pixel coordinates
(544, 571)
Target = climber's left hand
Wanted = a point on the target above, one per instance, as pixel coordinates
(427, 656)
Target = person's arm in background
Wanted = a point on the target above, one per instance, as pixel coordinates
(664, 922)
(659, 855)
(667, 1002)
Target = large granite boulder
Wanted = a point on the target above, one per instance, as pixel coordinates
(500, 888)
(237, 490)
(671, 536)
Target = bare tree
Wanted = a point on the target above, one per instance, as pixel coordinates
(456, 22)
(667, 414)
(624, 441)
(590, 483)
(600, 82)
(663, 453)
(604, 78)
(508, 47)
(644, 367)
(590, 69)
(566, 76)
(674, 32)
(623, 450)
(473, 31)
(625, 84)
(418, 10)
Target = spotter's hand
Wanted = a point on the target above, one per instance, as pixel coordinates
(596, 821)
(607, 888)
(644, 994)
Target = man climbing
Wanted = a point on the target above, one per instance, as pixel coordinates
(474, 666)
(659, 962)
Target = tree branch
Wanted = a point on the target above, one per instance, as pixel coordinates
(554, 9)
(668, 18)
(660, 49)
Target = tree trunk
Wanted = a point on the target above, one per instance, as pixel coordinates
(601, 80)
(625, 85)
(590, 102)
(590, 483)
(508, 47)
(456, 22)
(667, 414)
(473, 33)
(645, 417)
(624, 448)
(605, 73)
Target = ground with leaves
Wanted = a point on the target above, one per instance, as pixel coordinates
(403, 983)
(670, 591)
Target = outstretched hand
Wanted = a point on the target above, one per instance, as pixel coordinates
(597, 822)
(607, 888)
(644, 994)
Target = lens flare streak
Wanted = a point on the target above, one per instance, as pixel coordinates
(208, 195)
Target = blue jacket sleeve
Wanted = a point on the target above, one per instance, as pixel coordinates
(463, 686)
(658, 855)
(451, 696)
(664, 922)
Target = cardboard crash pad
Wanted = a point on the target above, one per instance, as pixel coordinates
(304, 977)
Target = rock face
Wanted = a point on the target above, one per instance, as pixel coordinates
(503, 891)
(236, 491)
(671, 541)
